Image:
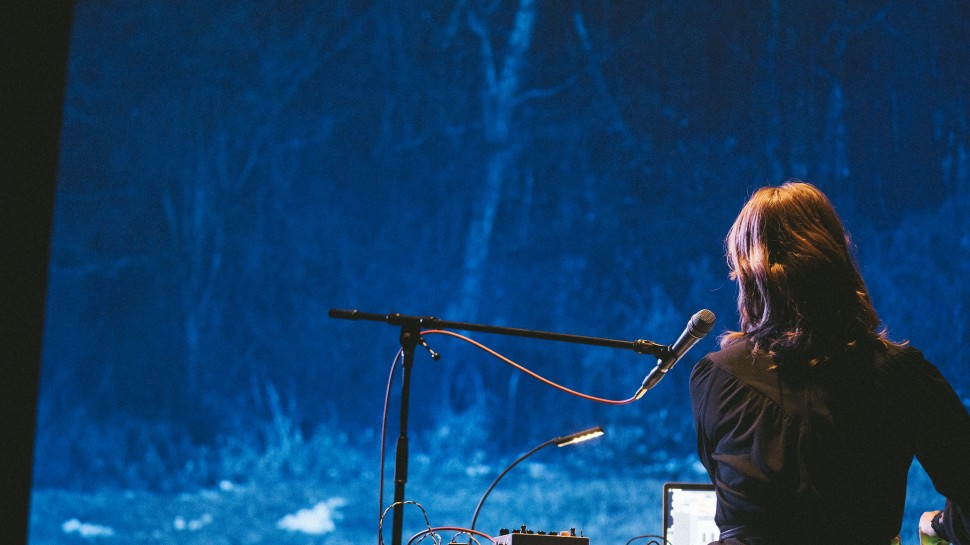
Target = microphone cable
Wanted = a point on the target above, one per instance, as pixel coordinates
(526, 370)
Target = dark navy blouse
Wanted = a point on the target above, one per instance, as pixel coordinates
(820, 454)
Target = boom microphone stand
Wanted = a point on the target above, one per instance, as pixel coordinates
(410, 336)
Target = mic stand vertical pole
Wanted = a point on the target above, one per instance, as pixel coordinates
(410, 333)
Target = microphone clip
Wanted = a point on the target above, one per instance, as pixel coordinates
(650, 348)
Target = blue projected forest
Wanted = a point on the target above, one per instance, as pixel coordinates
(231, 171)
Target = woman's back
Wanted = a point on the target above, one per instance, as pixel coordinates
(808, 417)
(814, 455)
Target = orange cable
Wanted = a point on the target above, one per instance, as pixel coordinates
(526, 371)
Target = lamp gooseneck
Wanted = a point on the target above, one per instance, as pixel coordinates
(570, 439)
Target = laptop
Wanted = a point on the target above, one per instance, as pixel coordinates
(688, 514)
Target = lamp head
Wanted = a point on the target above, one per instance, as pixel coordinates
(579, 436)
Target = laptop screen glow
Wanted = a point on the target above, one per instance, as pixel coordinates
(689, 514)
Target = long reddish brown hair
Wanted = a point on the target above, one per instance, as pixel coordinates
(800, 294)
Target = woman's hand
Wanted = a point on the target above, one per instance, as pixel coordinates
(925, 523)
(927, 535)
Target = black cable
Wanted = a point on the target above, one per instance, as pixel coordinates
(653, 542)
(502, 474)
(380, 475)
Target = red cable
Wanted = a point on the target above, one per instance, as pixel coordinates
(526, 371)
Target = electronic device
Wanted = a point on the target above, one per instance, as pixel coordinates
(524, 536)
(688, 513)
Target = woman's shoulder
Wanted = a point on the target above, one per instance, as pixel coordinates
(737, 362)
(907, 364)
(739, 356)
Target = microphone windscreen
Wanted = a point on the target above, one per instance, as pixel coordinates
(701, 323)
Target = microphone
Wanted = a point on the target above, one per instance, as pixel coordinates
(697, 328)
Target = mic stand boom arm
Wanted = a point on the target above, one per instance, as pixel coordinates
(639, 346)
(411, 327)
